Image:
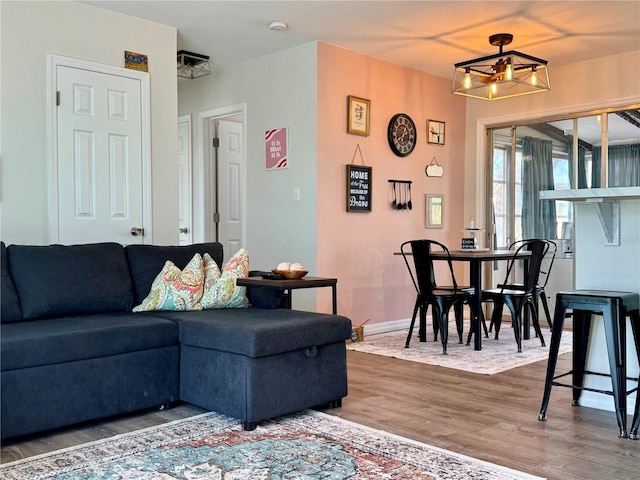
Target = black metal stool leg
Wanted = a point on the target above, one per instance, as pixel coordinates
(616, 338)
(554, 348)
(635, 328)
(581, 329)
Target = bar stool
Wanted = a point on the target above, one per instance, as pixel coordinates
(614, 308)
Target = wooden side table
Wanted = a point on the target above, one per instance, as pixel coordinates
(287, 286)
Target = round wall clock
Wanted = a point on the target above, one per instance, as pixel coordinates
(401, 134)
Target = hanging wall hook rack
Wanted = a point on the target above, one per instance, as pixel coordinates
(403, 194)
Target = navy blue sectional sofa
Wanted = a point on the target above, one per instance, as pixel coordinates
(72, 350)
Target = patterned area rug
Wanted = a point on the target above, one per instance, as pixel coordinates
(306, 445)
(496, 355)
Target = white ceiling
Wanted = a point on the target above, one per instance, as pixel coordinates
(426, 35)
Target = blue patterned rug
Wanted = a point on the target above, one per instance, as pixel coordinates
(306, 445)
(496, 355)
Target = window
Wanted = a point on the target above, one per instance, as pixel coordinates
(561, 181)
(500, 195)
(619, 129)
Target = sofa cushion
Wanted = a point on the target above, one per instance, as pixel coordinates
(175, 289)
(57, 280)
(220, 289)
(258, 332)
(145, 261)
(10, 308)
(68, 339)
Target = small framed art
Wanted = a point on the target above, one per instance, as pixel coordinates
(358, 188)
(358, 115)
(276, 143)
(136, 61)
(434, 210)
(435, 132)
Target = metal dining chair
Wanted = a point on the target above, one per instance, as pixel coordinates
(540, 294)
(441, 299)
(519, 299)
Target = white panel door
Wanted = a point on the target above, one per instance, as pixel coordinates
(99, 175)
(184, 180)
(230, 181)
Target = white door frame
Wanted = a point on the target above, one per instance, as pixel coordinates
(187, 119)
(55, 61)
(204, 197)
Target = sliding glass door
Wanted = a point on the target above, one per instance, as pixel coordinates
(594, 150)
(523, 163)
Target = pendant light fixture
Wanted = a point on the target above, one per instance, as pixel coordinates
(503, 75)
(193, 65)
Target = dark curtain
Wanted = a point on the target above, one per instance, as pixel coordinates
(538, 216)
(596, 166)
(624, 166)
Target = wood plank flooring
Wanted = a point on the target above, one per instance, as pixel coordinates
(493, 418)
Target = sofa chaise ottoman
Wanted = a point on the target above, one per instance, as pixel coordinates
(255, 364)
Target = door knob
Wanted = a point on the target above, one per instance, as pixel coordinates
(137, 231)
(184, 230)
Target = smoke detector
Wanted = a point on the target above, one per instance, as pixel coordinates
(277, 25)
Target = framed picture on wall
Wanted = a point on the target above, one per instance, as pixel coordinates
(434, 210)
(358, 115)
(276, 143)
(359, 188)
(435, 132)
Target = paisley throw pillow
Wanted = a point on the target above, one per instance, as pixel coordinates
(220, 289)
(174, 289)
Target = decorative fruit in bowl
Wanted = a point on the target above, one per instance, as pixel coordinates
(291, 271)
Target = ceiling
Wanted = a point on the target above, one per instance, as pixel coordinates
(426, 35)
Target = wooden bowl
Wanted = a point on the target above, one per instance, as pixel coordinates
(290, 274)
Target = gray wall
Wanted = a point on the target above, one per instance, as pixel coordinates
(278, 90)
(30, 31)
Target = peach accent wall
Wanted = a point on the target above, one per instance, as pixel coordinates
(358, 248)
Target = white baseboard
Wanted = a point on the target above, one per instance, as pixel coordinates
(402, 324)
(605, 402)
(390, 326)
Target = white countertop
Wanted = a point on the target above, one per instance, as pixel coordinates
(580, 194)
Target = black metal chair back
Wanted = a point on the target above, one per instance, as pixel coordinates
(545, 269)
(423, 273)
(553, 249)
(430, 292)
(538, 249)
(519, 297)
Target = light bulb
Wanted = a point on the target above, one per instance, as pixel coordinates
(494, 89)
(467, 80)
(534, 77)
(509, 72)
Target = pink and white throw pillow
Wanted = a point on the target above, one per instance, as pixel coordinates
(174, 289)
(220, 289)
